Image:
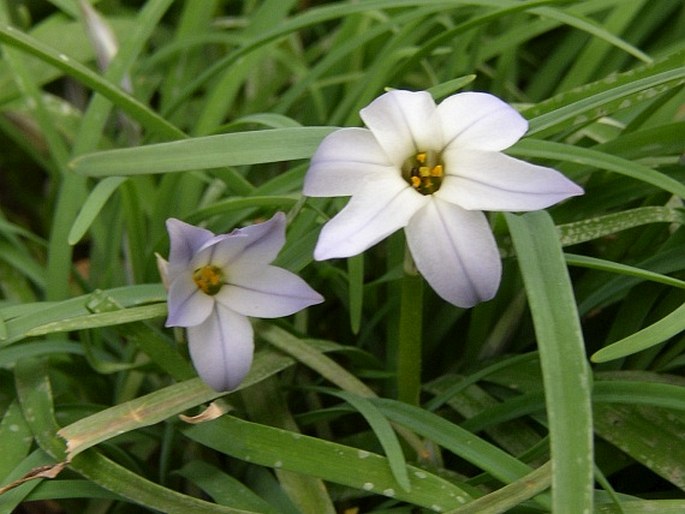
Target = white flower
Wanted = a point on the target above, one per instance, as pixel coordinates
(217, 281)
(431, 170)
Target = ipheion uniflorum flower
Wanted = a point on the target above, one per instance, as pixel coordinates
(217, 281)
(432, 170)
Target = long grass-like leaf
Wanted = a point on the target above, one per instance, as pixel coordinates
(656, 333)
(273, 145)
(333, 462)
(149, 119)
(562, 357)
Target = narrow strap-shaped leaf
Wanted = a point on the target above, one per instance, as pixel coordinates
(584, 104)
(595, 159)
(330, 461)
(510, 495)
(384, 432)
(151, 120)
(254, 147)
(594, 228)
(158, 406)
(562, 358)
(459, 441)
(34, 317)
(650, 435)
(92, 207)
(624, 269)
(656, 333)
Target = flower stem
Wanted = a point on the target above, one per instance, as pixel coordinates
(409, 346)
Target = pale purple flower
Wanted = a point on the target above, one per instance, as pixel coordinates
(216, 281)
(431, 170)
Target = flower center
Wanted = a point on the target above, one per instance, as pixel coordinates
(424, 172)
(209, 279)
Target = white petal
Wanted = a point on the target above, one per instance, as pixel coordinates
(221, 348)
(343, 161)
(404, 123)
(492, 181)
(188, 305)
(370, 216)
(266, 292)
(185, 241)
(455, 251)
(480, 121)
(257, 244)
(227, 246)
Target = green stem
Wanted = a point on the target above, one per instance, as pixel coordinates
(409, 347)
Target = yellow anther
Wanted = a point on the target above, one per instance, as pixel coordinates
(209, 279)
(437, 171)
(424, 172)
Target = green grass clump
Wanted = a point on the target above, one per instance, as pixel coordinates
(563, 394)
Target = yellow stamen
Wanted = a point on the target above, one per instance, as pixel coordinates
(209, 279)
(424, 172)
(436, 171)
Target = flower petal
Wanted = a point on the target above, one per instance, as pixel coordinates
(492, 181)
(480, 121)
(163, 269)
(185, 241)
(266, 292)
(455, 251)
(188, 306)
(404, 123)
(343, 161)
(383, 207)
(260, 243)
(221, 348)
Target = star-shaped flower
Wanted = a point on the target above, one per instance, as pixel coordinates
(431, 170)
(216, 281)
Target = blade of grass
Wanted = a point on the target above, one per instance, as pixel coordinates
(92, 207)
(624, 269)
(656, 333)
(562, 357)
(332, 462)
(260, 146)
(146, 117)
(595, 159)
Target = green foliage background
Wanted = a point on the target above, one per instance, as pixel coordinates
(564, 394)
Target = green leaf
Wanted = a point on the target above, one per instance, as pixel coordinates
(355, 281)
(384, 432)
(92, 207)
(510, 495)
(654, 334)
(158, 406)
(650, 435)
(580, 106)
(15, 439)
(643, 506)
(623, 269)
(461, 442)
(330, 461)
(149, 119)
(259, 146)
(223, 488)
(562, 357)
(594, 159)
(594, 228)
(46, 317)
